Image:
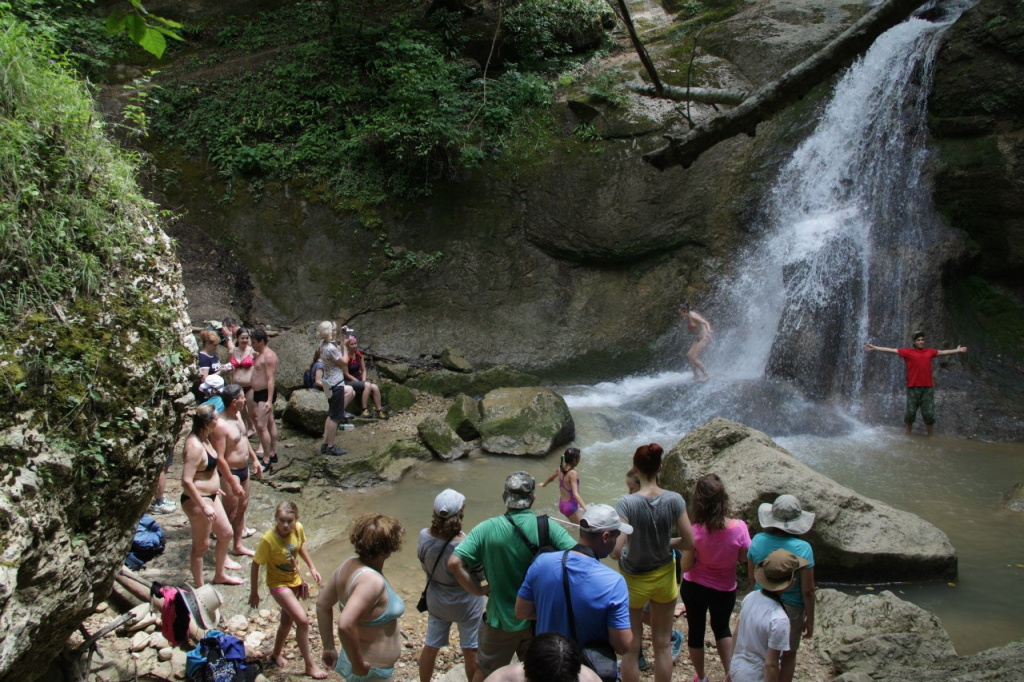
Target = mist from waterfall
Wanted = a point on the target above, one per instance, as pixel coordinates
(840, 260)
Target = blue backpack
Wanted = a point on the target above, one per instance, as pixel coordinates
(220, 657)
(309, 376)
(148, 543)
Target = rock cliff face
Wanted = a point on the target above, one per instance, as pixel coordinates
(571, 259)
(90, 377)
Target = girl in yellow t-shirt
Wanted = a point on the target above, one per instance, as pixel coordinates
(280, 549)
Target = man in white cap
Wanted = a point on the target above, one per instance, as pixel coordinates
(447, 602)
(782, 521)
(600, 598)
(505, 545)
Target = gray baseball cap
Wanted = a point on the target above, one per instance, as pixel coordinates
(519, 487)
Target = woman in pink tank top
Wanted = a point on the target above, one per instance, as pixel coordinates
(709, 583)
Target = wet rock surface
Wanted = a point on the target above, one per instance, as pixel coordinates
(854, 537)
(875, 637)
(524, 421)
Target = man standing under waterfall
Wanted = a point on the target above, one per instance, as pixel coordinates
(920, 387)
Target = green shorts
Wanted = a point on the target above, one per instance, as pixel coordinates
(923, 398)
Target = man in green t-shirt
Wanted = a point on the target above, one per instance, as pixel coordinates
(505, 556)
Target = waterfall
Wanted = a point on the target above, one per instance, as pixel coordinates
(845, 255)
(850, 223)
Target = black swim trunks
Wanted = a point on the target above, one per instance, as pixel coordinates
(241, 474)
(262, 396)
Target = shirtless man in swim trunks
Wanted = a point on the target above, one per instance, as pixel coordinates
(702, 329)
(234, 454)
(264, 375)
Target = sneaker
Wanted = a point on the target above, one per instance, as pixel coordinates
(323, 448)
(677, 644)
(335, 450)
(379, 415)
(162, 506)
(349, 415)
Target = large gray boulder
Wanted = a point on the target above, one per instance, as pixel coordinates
(294, 348)
(877, 634)
(854, 537)
(882, 637)
(441, 439)
(307, 410)
(524, 421)
(464, 417)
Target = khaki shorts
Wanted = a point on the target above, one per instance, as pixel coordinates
(658, 586)
(796, 625)
(496, 646)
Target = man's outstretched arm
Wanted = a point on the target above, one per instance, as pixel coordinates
(954, 351)
(869, 347)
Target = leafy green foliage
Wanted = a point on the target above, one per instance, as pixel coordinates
(149, 31)
(71, 31)
(539, 30)
(79, 258)
(365, 110)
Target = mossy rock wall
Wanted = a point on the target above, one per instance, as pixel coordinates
(95, 355)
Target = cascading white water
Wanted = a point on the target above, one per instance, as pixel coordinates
(841, 260)
(849, 222)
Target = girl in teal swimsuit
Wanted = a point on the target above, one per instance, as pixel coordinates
(370, 607)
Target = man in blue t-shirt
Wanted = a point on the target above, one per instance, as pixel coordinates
(782, 521)
(600, 599)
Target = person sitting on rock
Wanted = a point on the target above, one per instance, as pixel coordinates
(355, 376)
(782, 521)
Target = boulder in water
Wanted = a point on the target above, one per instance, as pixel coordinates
(877, 635)
(441, 439)
(524, 421)
(854, 537)
(464, 417)
(1014, 498)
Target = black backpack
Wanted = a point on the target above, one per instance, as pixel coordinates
(309, 376)
(543, 536)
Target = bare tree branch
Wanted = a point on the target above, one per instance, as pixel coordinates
(622, 12)
(683, 150)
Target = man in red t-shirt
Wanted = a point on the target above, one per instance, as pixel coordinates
(920, 387)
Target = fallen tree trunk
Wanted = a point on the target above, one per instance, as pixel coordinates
(702, 95)
(683, 150)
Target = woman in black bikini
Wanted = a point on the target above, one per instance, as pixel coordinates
(201, 500)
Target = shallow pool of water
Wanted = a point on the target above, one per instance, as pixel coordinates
(955, 484)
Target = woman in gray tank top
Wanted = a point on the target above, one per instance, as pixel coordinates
(645, 558)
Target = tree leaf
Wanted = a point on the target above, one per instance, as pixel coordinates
(153, 42)
(116, 22)
(136, 27)
(167, 32)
